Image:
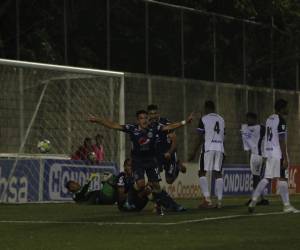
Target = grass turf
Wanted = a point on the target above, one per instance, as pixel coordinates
(71, 226)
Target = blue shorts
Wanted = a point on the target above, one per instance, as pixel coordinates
(148, 166)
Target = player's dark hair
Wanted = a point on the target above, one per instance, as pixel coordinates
(140, 112)
(126, 161)
(251, 115)
(209, 105)
(86, 140)
(68, 184)
(280, 104)
(152, 107)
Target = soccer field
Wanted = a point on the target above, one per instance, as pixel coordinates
(71, 226)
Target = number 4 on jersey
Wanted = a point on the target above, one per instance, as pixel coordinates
(217, 127)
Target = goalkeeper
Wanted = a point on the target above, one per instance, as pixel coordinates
(107, 195)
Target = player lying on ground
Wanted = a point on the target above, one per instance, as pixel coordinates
(143, 137)
(82, 195)
(277, 158)
(118, 190)
(166, 147)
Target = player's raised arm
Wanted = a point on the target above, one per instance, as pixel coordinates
(104, 122)
(176, 125)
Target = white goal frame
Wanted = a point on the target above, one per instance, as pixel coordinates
(79, 70)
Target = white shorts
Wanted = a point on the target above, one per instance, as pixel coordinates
(274, 169)
(213, 160)
(256, 163)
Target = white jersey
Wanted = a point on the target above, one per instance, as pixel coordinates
(275, 127)
(253, 137)
(213, 127)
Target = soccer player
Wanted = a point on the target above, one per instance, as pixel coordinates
(277, 158)
(128, 198)
(82, 195)
(253, 137)
(143, 137)
(212, 130)
(165, 147)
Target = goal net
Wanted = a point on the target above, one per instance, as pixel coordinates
(50, 102)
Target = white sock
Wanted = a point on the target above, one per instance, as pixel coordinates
(204, 186)
(283, 190)
(259, 189)
(219, 188)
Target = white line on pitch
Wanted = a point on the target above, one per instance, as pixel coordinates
(140, 223)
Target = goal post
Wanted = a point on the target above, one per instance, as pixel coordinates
(44, 101)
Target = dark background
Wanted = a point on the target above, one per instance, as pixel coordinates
(237, 41)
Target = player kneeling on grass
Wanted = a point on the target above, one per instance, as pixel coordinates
(82, 195)
(128, 198)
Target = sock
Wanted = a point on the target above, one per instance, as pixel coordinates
(219, 188)
(204, 187)
(164, 199)
(256, 179)
(259, 189)
(284, 192)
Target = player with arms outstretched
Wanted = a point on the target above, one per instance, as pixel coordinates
(143, 137)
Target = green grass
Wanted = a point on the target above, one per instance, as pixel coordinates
(275, 231)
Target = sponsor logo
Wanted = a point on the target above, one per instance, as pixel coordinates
(16, 188)
(143, 141)
(60, 174)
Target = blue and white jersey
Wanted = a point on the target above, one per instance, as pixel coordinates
(275, 128)
(163, 142)
(123, 180)
(213, 127)
(253, 138)
(143, 141)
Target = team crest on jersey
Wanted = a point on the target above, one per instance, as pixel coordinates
(150, 134)
(283, 127)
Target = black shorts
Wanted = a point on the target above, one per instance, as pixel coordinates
(138, 202)
(171, 167)
(148, 166)
(283, 171)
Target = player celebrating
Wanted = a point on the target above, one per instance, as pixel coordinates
(143, 138)
(165, 147)
(277, 163)
(211, 128)
(253, 136)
